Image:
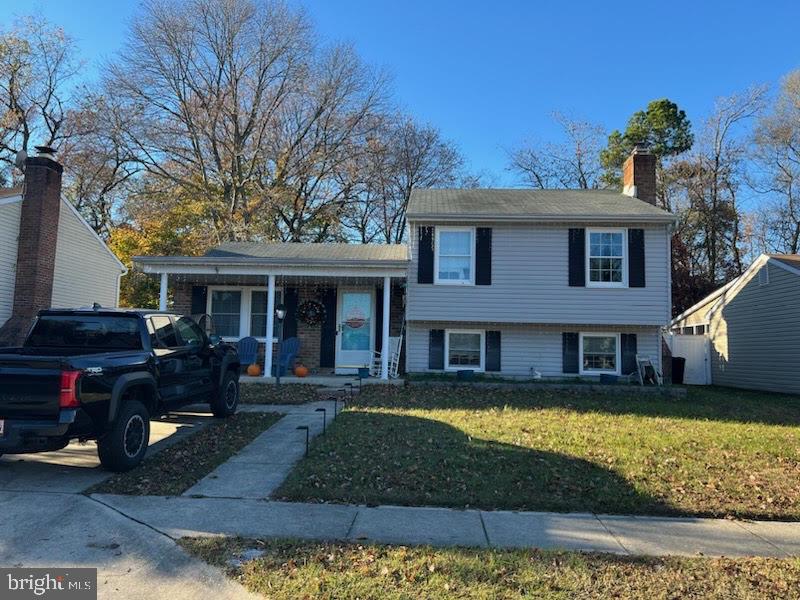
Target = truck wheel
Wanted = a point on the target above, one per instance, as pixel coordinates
(124, 446)
(226, 401)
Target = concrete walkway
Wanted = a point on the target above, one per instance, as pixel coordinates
(261, 466)
(654, 536)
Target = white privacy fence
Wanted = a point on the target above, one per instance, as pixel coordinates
(696, 349)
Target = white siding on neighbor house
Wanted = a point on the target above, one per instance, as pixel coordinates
(755, 336)
(524, 348)
(85, 271)
(9, 233)
(530, 283)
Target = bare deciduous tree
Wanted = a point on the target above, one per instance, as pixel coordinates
(708, 181)
(37, 68)
(572, 164)
(777, 158)
(401, 155)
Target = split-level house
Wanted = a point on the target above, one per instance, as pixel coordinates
(512, 282)
(552, 282)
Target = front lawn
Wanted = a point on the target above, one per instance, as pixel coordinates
(316, 570)
(716, 453)
(178, 467)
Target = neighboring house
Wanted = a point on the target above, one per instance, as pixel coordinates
(49, 255)
(753, 326)
(559, 282)
(514, 282)
(341, 300)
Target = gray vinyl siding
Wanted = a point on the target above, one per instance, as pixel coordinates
(84, 272)
(530, 283)
(755, 336)
(523, 348)
(9, 233)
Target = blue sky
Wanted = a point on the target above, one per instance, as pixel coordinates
(489, 74)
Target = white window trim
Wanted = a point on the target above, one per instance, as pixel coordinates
(448, 367)
(245, 310)
(607, 284)
(582, 371)
(437, 245)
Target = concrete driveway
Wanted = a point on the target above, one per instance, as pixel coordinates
(77, 467)
(46, 522)
(133, 560)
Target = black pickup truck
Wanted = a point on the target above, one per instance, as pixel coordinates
(101, 374)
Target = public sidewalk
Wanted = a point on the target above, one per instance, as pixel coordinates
(654, 536)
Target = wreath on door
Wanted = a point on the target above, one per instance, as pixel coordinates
(311, 312)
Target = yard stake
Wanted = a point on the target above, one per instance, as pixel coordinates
(324, 418)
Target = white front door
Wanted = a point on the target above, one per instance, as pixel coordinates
(355, 337)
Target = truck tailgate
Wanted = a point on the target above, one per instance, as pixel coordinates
(29, 387)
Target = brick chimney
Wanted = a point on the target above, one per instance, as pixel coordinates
(639, 175)
(36, 245)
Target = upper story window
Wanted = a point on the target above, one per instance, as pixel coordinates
(455, 255)
(606, 252)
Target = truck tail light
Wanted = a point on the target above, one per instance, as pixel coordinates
(68, 397)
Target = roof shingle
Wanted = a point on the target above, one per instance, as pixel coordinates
(531, 204)
(303, 251)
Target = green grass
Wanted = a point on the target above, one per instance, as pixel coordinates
(715, 453)
(178, 467)
(329, 570)
(263, 393)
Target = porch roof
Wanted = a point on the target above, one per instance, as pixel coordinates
(253, 258)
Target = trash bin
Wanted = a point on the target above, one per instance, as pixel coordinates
(678, 368)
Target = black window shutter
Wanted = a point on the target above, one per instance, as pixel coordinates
(425, 264)
(483, 256)
(577, 258)
(327, 343)
(569, 352)
(436, 349)
(636, 258)
(628, 352)
(290, 321)
(493, 351)
(199, 299)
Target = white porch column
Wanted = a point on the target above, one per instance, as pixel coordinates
(270, 325)
(387, 294)
(162, 296)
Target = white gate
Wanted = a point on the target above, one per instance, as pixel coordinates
(696, 350)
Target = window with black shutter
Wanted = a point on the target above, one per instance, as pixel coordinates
(483, 256)
(436, 349)
(425, 252)
(577, 258)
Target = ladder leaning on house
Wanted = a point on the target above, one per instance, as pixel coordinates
(647, 372)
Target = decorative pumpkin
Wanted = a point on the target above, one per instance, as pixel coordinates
(301, 370)
(254, 370)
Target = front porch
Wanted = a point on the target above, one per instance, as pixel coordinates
(340, 310)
